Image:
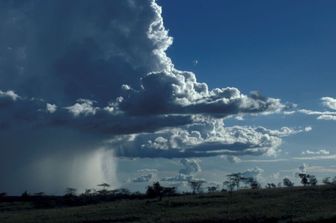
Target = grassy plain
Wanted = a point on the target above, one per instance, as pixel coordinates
(298, 204)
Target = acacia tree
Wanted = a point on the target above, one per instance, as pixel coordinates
(104, 185)
(270, 185)
(212, 189)
(229, 184)
(70, 191)
(307, 179)
(196, 185)
(251, 182)
(155, 190)
(234, 180)
(312, 180)
(326, 181)
(104, 190)
(287, 182)
(329, 181)
(304, 179)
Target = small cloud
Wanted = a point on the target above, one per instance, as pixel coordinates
(329, 102)
(51, 108)
(143, 178)
(327, 117)
(321, 115)
(239, 118)
(9, 94)
(82, 107)
(252, 173)
(303, 168)
(147, 175)
(308, 129)
(190, 167)
(276, 175)
(233, 159)
(319, 152)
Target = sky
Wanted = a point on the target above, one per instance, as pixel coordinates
(131, 92)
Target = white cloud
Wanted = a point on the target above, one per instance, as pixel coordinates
(318, 157)
(8, 94)
(319, 152)
(252, 173)
(51, 108)
(308, 129)
(329, 102)
(190, 167)
(323, 115)
(303, 168)
(233, 159)
(82, 107)
(327, 117)
(208, 137)
(143, 178)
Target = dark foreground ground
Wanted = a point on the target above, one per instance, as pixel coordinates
(311, 204)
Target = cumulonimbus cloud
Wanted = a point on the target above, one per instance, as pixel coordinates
(96, 73)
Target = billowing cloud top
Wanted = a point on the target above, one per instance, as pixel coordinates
(101, 69)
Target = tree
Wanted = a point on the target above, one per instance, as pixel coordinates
(312, 180)
(39, 194)
(169, 191)
(88, 192)
(2, 195)
(307, 179)
(156, 190)
(326, 181)
(252, 182)
(304, 179)
(235, 179)
(104, 185)
(25, 194)
(212, 189)
(70, 191)
(196, 185)
(230, 185)
(287, 182)
(104, 190)
(270, 185)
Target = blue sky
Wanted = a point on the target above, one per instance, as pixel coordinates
(282, 48)
(122, 92)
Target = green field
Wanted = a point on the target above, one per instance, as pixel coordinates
(298, 204)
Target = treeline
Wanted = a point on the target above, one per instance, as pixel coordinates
(234, 182)
(89, 196)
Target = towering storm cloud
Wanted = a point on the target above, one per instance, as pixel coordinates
(79, 79)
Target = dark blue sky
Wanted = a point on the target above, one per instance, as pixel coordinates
(282, 48)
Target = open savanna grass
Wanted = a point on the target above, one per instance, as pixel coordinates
(299, 204)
